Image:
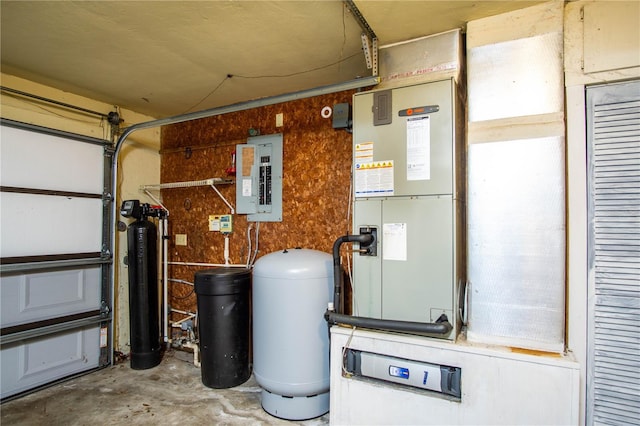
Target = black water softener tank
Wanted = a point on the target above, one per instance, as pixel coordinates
(224, 325)
(144, 319)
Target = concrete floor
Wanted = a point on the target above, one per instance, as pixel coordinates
(171, 393)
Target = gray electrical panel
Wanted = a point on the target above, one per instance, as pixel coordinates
(409, 186)
(259, 178)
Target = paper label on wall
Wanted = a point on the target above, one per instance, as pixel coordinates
(374, 179)
(364, 153)
(214, 223)
(394, 241)
(246, 187)
(247, 160)
(103, 337)
(418, 148)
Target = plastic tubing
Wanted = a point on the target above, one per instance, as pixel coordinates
(364, 239)
(441, 326)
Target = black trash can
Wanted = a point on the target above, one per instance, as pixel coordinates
(224, 325)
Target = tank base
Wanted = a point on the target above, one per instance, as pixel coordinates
(297, 407)
(145, 360)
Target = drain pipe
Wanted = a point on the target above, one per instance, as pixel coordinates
(442, 326)
(365, 240)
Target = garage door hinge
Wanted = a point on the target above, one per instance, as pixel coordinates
(104, 309)
(106, 253)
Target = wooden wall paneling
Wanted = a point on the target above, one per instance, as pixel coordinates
(316, 181)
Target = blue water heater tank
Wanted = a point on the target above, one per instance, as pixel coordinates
(291, 290)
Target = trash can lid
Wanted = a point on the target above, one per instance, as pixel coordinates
(222, 280)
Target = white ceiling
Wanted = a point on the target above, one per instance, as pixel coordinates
(165, 58)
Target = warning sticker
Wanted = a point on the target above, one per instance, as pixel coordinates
(374, 179)
(364, 153)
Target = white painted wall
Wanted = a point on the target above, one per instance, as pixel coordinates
(139, 160)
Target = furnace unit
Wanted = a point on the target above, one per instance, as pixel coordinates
(409, 181)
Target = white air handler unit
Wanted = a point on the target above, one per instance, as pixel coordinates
(409, 186)
(291, 290)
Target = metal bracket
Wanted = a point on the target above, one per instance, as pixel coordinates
(370, 49)
(105, 254)
(107, 198)
(366, 48)
(369, 38)
(360, 19)
(374, 56)
(104, 309)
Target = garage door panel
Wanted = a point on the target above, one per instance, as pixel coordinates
(44, 295)
(34, 224)
(43, 360)
(56, 269)
(26, 157)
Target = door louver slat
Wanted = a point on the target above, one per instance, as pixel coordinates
(614, 247)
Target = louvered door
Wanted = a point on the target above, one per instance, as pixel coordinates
(613, 376)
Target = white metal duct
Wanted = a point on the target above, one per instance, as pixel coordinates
(512, 71)
(516, 179)
(516, 243)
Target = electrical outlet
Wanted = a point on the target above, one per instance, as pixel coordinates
(181, 239)
(279, 119)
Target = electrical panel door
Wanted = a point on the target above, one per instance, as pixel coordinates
(259, 178)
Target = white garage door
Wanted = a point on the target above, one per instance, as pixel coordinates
(55, 265)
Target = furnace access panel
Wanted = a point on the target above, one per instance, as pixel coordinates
(409, 185)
